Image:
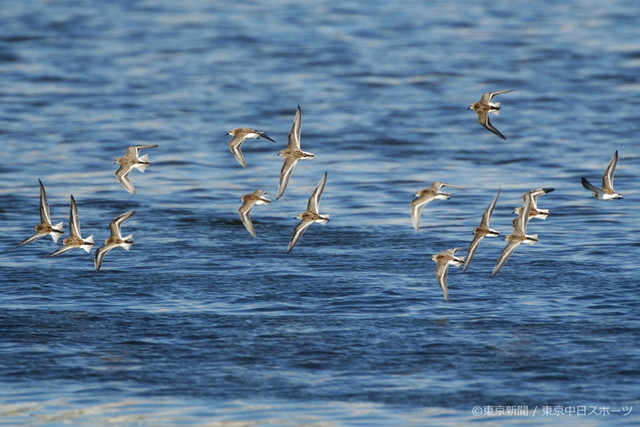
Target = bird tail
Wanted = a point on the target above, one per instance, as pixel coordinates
(128, 242)
(88, 244)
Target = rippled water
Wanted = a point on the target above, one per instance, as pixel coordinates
(201, 323)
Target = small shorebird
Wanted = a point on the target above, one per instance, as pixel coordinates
(75, 239)
(45, 227)
(535, 212)
(606, 192)
(239, 136)
(443, 261)
(248, 201)
(115, 239)
(311, 215)
(482, 231)
(129, 161)
(485, 106)
(292, 153)
(517, 237)
(424, 197)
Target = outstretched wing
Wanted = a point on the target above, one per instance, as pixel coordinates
(416, 210)
(473, 246)
(444, 184)
(264, 135)
(314, 199)
(74, 219)
(488, 97)
(235, 145)
(441, 275)
(520, 223)
(294, 134)
(586, 184)
(135, 149)
(504, 256)
(31, 239)
(285, 174)
(114, 226)
(483, 119)
(100, 253)
(486, 217)
(244, 212)
(297, 233)
(45, 216)
(123, 178)
(607, 178)
(62, 250)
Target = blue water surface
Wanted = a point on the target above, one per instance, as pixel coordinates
(201, 323)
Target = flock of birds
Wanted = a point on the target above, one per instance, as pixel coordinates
(483, 108)
(131, 160)
(291, 155)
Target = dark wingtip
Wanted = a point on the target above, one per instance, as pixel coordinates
(548, 190)
(264, 135)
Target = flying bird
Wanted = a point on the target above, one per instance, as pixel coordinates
(45, 227)
(311, 215)
(239, 136)
(75, 239)
(425, 196)
(482, 231)
(115, 239)
(535, 212)
(517, 237)
(443, 261)
(130, 161)
(484, 107)
(606, 192)
(292, 153)
(248, 201)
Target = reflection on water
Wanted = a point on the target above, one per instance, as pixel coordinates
(171, 412)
